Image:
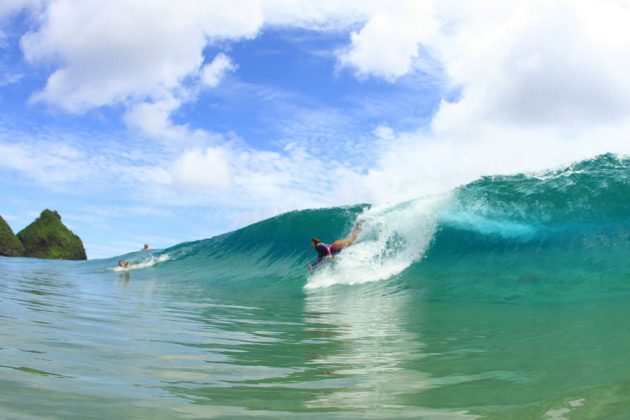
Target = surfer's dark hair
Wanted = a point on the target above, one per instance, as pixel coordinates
(316, 240)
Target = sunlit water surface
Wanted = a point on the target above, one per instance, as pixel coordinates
(78, 341)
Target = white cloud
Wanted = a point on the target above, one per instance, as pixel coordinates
(540, 83)
(323, 15)
(202, 169)
(249, 181)
(154, 118)
(238, 178)
(389, 42)
(119, 51)
(62, 161)
(148, 55)
(549, 63)
(47, 165)
(212, 73)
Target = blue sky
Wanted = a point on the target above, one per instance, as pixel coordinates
(160, 122)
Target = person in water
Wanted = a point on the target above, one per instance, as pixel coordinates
(124, 264)
(329, 251)
(146, 247)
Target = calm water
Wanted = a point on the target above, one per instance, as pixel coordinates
(78, 344)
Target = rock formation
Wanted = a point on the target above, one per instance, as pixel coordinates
(48, 238)
(10, 245)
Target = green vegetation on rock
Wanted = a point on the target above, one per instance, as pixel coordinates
(10, 245)
(48, 238)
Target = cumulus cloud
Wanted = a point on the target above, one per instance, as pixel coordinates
(537, 63)
(387, 45)
(118, 51)
(212, 73)
(154, 119)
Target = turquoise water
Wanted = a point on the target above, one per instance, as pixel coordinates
(506, 298)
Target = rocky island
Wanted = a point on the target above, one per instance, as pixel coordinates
(10, 245)
(47, 237)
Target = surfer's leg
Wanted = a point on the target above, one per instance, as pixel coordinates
(342, 243)
(355, 232)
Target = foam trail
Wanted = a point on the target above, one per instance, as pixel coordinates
(392, 238)
(145, 263)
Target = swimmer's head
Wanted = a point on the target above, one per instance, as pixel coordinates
(315, 242)
(121, 263)
(146, 246)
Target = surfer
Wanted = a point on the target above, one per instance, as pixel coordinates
(329, 251)
(146, 247)
(124, 264)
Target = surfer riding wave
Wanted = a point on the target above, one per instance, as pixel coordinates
(329, 251)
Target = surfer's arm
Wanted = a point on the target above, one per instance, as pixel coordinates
(313, 265)
(319, 261)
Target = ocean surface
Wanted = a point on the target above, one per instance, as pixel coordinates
(506, 298)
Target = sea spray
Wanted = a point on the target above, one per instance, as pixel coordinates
(145, 262)
(392, 238)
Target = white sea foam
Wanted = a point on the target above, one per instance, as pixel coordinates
(146, 262)
(392, 238)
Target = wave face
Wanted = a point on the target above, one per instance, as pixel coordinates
(537, 235)
(498, 236)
